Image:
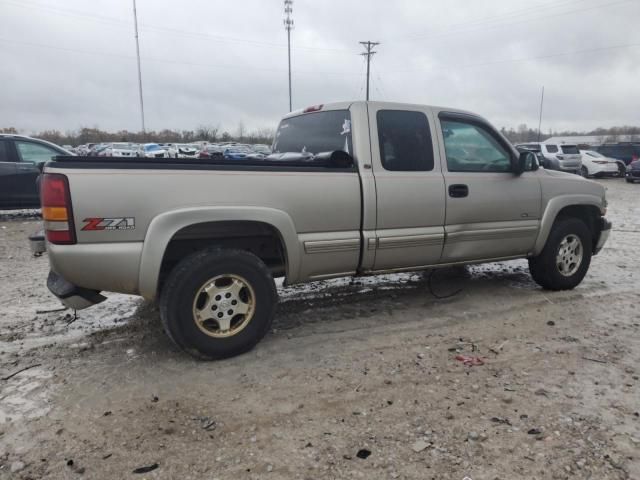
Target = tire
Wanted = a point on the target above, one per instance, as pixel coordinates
(544, 268)
(629, 180)
(183, 299)
(584, 171)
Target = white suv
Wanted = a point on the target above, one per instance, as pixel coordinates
(564, 157)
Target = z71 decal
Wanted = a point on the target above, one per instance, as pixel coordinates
(120, 223)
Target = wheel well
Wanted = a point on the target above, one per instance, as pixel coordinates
(589, 214)
(261, 239)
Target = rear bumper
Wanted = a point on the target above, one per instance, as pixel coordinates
(605, 230)
(71, 295)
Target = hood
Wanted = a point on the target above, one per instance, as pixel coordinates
(635, 165)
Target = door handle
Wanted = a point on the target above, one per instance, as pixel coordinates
(458, 190)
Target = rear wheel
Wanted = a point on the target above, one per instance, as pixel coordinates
(218, 303)
(629, 180)
(566, 256)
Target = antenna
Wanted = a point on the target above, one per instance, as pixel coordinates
(135, 25)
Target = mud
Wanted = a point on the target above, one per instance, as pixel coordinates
(358, 378)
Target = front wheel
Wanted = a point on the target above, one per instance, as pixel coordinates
(565, 258)
(584, 172)
(218, 303)
(622, 170)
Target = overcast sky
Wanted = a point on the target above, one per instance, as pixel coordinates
(71, 63)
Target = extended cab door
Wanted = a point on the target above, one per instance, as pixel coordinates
(409, 188)
(491, 212)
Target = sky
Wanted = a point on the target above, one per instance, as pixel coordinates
(66, 64)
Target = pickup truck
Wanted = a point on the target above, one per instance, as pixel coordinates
(353, 188)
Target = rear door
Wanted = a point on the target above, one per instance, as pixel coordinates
(409, 188)
(491, 212)
(7, 174)
(31, 155)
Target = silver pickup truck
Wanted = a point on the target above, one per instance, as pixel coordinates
(352, 188)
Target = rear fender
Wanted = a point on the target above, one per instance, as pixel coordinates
(163, 227)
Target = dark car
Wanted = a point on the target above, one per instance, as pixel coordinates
(633, 172)
(20, 161)
(627, 152)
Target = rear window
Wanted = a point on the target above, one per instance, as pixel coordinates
(315, 133)
(4, 155)
(570, 149)
(552, 148)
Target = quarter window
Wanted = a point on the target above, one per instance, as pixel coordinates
(552, 148)
(405, 141)
(471, 148)
(33, 152)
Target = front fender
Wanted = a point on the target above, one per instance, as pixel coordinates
(554, 206)
(163, 227)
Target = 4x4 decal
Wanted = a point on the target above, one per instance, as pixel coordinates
(116, 223)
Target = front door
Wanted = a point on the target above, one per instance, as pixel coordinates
(491, 212)
(409, 188)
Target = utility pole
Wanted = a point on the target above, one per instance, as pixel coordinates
(540, 119)
(288, 26)
(369, 53)
(135, 24)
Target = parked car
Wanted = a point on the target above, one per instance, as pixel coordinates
(627, 152)
(183, 150)
(119, 150)
(564, 158)
(263, 149)
(211, 151)
(633, 172)
(21, 158)
(595, 164)
(237, 152)
(152, 150)
(352, 188)
(97, 149)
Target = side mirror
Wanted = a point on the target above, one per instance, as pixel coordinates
(527, 162)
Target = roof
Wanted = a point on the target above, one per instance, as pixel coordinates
(589, 139)
(379, 104)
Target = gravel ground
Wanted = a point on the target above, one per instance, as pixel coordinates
(358, 378)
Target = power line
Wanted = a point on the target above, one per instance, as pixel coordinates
(117, 22)
(509, 23)
(216, 67)
(369, 45)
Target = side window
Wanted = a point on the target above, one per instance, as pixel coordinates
(4, 153)
(405, 141)
(33, 152)
(552, 148)
(471, 148)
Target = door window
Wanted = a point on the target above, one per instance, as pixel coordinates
(471, 148)
(552, 148)
(34, 152)
(405, 141)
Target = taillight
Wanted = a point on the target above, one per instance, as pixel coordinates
(56, 209)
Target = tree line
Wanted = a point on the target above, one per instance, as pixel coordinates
(613, 134)
(210, 134)
(265, 135)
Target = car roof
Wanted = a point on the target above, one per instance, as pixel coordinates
(377, 104)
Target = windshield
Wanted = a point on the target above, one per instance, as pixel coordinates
(594, 154)
(314, 133)
(152, 147)
(569, 149)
